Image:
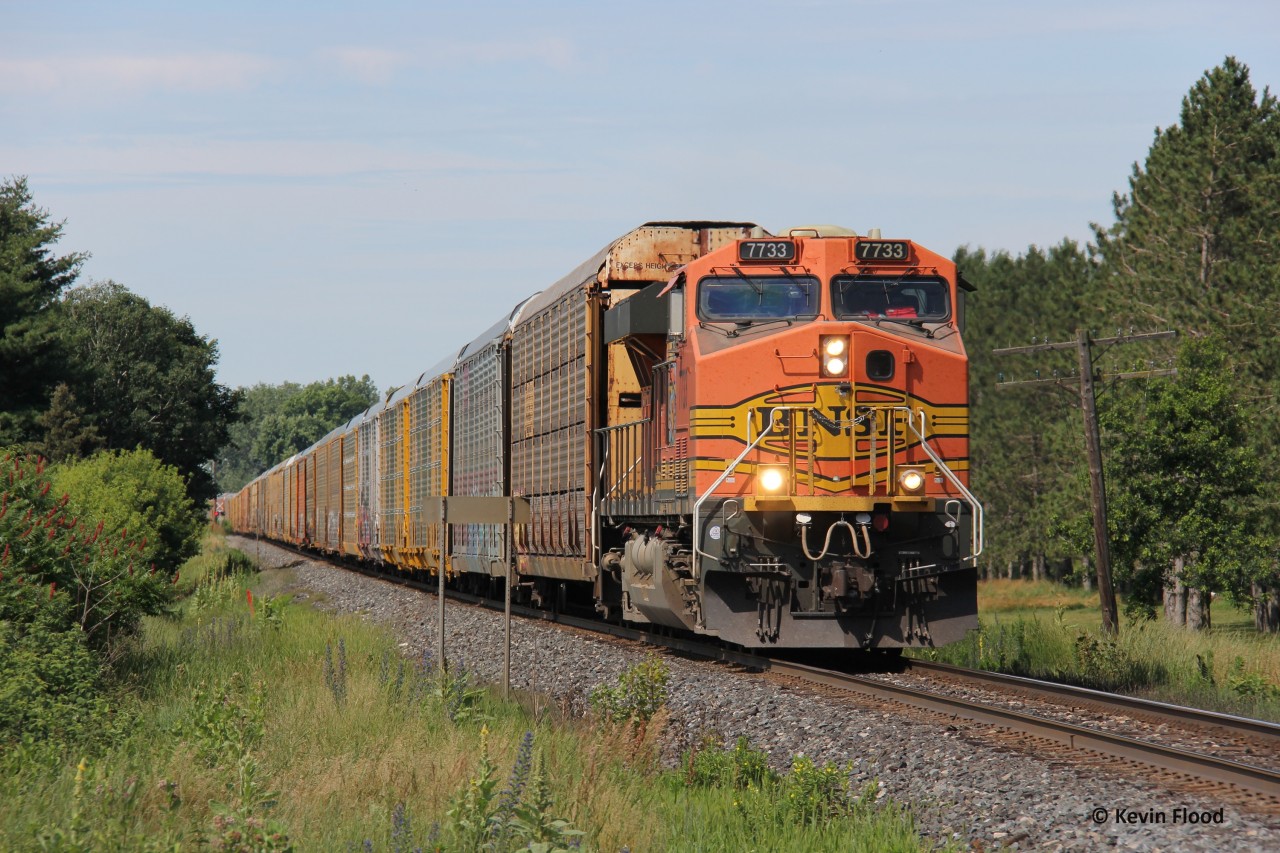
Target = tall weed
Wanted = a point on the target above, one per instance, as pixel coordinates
(637, 694)
(770, 810)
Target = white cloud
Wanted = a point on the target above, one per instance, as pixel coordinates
(183, 159)
(551, 51)
(120, 73)
(369, 65)
(378, 66)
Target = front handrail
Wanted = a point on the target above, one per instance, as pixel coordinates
(975, 505)
(729, 469)
(775, 414)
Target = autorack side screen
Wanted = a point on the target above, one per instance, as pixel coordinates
(744, 298)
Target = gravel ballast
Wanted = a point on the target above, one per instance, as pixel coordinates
(964, 783)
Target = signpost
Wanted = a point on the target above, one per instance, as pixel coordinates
(507, 511)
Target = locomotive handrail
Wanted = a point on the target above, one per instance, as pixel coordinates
(598, 500)
(729, 469)
(625, 474)
(629, 425)
(978, 520)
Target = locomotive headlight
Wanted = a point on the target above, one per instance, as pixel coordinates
(771, 479)
(911, 480)
(835, 355)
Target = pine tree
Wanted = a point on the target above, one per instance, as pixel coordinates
(1194, 244)
(31, 279)
(1195, 248)
(66, 435)
(1027, 443)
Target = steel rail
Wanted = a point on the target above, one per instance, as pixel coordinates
(1259, 780)
(1169, 712)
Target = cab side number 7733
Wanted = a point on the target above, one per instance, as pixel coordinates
(883, 250)
(779, 251)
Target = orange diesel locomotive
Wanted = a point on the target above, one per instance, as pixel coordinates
(756, 437)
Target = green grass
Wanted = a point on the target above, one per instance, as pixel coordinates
(1044, 630)
(294, 729)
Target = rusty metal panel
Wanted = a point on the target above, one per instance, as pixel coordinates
(392, 459)
(286, 508)
(290, 499)
(309, 497)
(298, 495)
(320, 504)
(331, 521)
(656, 249)
(273, 517)
(303, 476)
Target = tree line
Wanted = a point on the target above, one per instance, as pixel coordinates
(278, 421)
(1194, 248)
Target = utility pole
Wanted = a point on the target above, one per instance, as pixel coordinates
(1097, 487)
(1083, 344)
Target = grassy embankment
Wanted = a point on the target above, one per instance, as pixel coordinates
(1045, 630)
(295, 729)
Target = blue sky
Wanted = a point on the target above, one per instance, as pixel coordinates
(332, 188)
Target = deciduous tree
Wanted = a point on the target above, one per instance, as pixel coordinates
(137, 496)
(1183, 487)
(146, 379)
(280, 420)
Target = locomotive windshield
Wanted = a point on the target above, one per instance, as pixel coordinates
(743, 298)
(890, 298)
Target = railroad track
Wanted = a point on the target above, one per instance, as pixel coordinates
(1200, 765)
(1109, 702)
(1197, 765)
(1256, 780)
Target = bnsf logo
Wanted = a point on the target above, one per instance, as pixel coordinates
(835, 421)
(831, 420)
